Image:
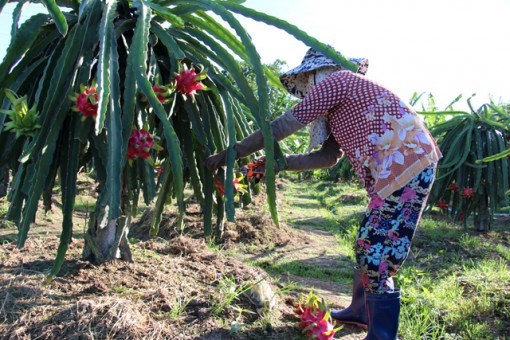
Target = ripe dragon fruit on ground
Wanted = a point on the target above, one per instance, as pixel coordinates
(315, 318)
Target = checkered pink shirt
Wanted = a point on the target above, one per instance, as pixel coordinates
(385, 141)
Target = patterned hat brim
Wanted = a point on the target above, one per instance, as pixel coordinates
(296, 80)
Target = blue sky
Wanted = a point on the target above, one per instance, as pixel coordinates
(447, 47)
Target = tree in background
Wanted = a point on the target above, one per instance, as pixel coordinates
(280, 101)
(279, 98)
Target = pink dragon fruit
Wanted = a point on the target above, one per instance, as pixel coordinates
(315, 318)
(188, 82)
(442, 204)
(468, 192)
(321, 330)
(86, 102)
(307, 317)
(140, 144)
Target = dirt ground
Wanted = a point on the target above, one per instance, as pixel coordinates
(139, 300)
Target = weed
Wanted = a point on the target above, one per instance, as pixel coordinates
(133, 240)
(469, 241)
(236, 325)
(288, 288)
(178, 308)
(250, 248)
(212, 245)
(229, 291)
(503, 251)
(124, 290)
(7, 224)
(266, 320)
(4, 207)
(146, 253)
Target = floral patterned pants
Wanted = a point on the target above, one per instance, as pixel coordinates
(386, 232)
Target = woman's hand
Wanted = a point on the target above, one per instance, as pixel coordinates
(281, 127)
(214, 162)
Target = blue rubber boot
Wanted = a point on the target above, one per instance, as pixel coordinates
(383, 312)
(356, 313)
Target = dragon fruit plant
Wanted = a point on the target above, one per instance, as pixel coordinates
(472, 178)
(315, 318)
(122, 51)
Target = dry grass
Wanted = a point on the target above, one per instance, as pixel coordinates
(137, 300)
(123, 300)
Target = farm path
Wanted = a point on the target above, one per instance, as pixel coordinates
(318, 249)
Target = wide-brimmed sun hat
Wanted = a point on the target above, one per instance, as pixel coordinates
(296, 80)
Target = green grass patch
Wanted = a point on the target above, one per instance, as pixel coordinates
(342, 274)
(123, 290)
(85, 203)
(4, 207)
